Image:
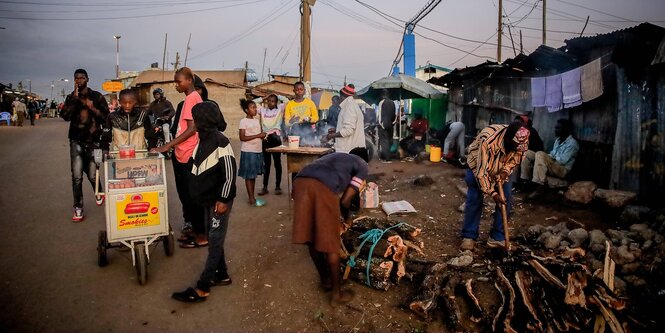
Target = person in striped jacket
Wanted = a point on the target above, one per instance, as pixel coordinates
(492, 157)
(212, 184)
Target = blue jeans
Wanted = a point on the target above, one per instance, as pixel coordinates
(82, 160)
(215, 266)
(474, 209)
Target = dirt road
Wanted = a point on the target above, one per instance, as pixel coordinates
(51, 281)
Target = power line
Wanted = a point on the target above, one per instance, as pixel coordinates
(127, 17)
(477, 47)
(253, 28)
(114, 4)
(595, 10)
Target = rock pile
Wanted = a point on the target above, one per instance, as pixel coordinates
(638, 250)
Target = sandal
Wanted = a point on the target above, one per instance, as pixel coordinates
(188, 296)
(259, 203)
(263, 191)
(191, 243)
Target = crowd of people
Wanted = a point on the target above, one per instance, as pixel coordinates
(205, 169)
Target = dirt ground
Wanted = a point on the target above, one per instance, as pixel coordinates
(441, 222)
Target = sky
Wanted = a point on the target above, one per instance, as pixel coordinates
(43, 41)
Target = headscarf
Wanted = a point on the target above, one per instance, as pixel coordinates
(516, 137)
(206, 117)
(348, 90)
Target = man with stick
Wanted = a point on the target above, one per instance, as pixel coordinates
(492, 157)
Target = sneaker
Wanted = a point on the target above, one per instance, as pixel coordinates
(78, 214)
(186, 227)
(495, 244)
(278, 191)
(386, 161)
(99, 199)
(462, 161)
(467, 244)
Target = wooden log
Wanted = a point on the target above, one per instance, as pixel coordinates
(510, 311)
(500, 310)
(379, 273)
(399, 254)
(575, 289)
(609, 317)
(405, 231)
(351, 240)
(607, 296)
(452, 311)
(524, 282)
(428, 294)
(546, 274)
(476, 310)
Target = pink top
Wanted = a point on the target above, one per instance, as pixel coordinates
(184, 150)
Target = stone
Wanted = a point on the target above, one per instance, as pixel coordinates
(615, 198)
(638, 227)
(564, 244)
(461, 207)
(552, 242)
(634, 214)
(658, 239)
(578, 236)
(536, 230)
(615, 235)
(596, 265)
(647, 245)
(543, 237)
(465, 259)
(560, 228)
(597, 237)
(634, 281)
(619, 285)
(581, 192)
(623, 256)
(423, 180)
(630, 268)
(623, 241)
(597, 248)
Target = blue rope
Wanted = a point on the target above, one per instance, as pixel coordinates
(373, 235)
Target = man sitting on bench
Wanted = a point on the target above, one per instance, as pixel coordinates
(536, 166)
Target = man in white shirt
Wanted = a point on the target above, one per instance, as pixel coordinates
(350, 124)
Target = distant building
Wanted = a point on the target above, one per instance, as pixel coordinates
(430, 71)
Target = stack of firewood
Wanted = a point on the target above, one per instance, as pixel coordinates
(538, 294)
(389, 257)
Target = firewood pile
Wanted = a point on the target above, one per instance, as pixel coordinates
(520, 291)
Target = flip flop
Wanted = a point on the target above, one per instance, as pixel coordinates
(259, 203)
(188, 296)
(191, 243)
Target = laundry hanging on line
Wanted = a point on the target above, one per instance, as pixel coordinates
(568, 89)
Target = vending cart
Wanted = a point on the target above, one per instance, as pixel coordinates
(136, 208)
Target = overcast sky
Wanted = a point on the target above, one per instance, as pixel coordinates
(45, 40)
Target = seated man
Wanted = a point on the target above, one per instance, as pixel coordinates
(414, 144)
(537, 166)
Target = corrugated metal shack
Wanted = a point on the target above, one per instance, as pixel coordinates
(621, 133)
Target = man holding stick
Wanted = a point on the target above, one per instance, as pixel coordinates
(492, 157)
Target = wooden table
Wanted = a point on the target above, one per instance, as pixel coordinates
(298, 158)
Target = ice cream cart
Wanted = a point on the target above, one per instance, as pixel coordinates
(136, 208)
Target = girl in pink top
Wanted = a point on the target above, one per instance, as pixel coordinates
(251, 157)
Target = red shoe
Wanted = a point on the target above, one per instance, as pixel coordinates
(78, 215)
(99, 199)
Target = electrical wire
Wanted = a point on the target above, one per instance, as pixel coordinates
(253, 28)
(115, 4)
(595, 10)
(128, 17)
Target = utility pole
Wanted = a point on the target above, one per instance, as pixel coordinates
(521, 49)
(166, 38)
(305, 40)
(117, 56)
(187, 51)
(499, 32)
(176, 64)
(544, 22)
(265, 51)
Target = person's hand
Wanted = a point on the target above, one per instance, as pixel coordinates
(158, 149)
(330, 136)
(89, 104)
(76, 90)
(294, 120)
(262, 135)
(156, 129)
(497, 198)
(502, 177)
(221, 208)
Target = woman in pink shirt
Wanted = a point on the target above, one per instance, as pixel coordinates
(184, 142)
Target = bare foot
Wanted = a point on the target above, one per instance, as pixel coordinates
(341, 298)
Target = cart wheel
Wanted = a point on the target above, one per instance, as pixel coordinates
(141, 264)
(169, 243)
(102, 244)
